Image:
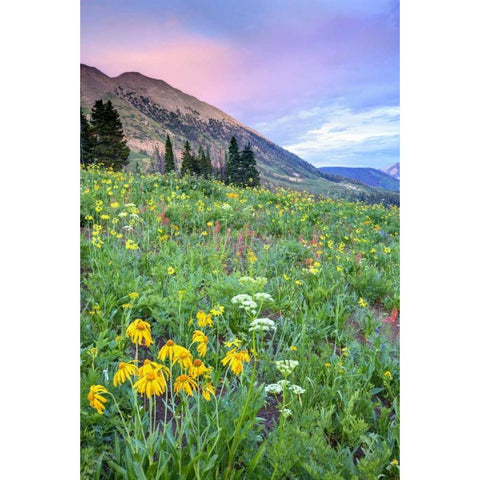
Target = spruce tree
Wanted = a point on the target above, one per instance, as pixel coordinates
(233, 160)
(248, 168)
(87, 141)
(169, 158)
(188, 160)
(204, 163)
(111, 147)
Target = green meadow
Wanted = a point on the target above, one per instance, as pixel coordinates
(231, 333)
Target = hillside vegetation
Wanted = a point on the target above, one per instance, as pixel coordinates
(222, 327)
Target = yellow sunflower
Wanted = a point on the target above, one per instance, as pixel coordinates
(186, 384)
(125, 370)
(207, 389)
(170, 349)
(202, 340)
(198, 368)
(235, 360)
(139, 332)
(204, 319)
(183, 357)
(95, 398)
(151, 384)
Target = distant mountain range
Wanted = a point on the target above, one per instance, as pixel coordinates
(150, 109)
(393, 170)
(368, 176)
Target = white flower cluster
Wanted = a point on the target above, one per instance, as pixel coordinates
(245, 302)
(263, 324)
(281, 384)
(263, 297)
(226, 206)
(286, 367)
(296, 389)
(286, 412)
(273, 388)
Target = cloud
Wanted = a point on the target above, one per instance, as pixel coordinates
(347, 136)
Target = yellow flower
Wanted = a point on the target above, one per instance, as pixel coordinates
(362, 302)
(148, 366)
(126, 305)
(234, 360)
(394, 462)
(207, 389)
(125, 370)
(339, 269)
(387, 250)
(217, 310)
(328, 365)
(133, 295)
(139, 332)
(204, 319)
(198, 368)
(186, 384)
(234, 343)
(170, 349)
(183, 357)
(170, 270)
(131, 245)
(388, 375)
(293, 348)
(151, 384)
(95, 398)
(200, 338)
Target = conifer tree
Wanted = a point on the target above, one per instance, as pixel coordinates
(232, 163)
(188, 160)
(248, 168)
(204, 163)
(111, 147)
(169, 158)
(87, 141)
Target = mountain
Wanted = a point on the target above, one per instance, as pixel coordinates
(392, 170)
(368, 176)
(150, 109)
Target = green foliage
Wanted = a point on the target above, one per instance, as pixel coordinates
(169, 158)
(197, 244)
(110, 148)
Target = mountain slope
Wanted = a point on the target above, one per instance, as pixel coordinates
(368, 176)
(392, 170)
(149, 109)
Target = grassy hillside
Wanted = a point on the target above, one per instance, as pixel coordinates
(263, 322)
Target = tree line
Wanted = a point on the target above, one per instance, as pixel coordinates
(102, 141)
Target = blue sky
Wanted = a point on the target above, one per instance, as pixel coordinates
(320, 78)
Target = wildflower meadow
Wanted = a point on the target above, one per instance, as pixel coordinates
(236, 333)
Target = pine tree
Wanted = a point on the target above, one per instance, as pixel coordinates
(204, 163)
(87, 141)
(111, 147)
(169, 158)
(232, 163)
(248, 168)
(188, 160)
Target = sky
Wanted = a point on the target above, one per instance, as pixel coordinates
(318, 77)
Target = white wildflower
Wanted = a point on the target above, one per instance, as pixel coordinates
(263, 297)
(283, 383)
(273, 388)
(286, 412)
(242, 298)
(286, 367)
(296, 389)
(264, 324)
